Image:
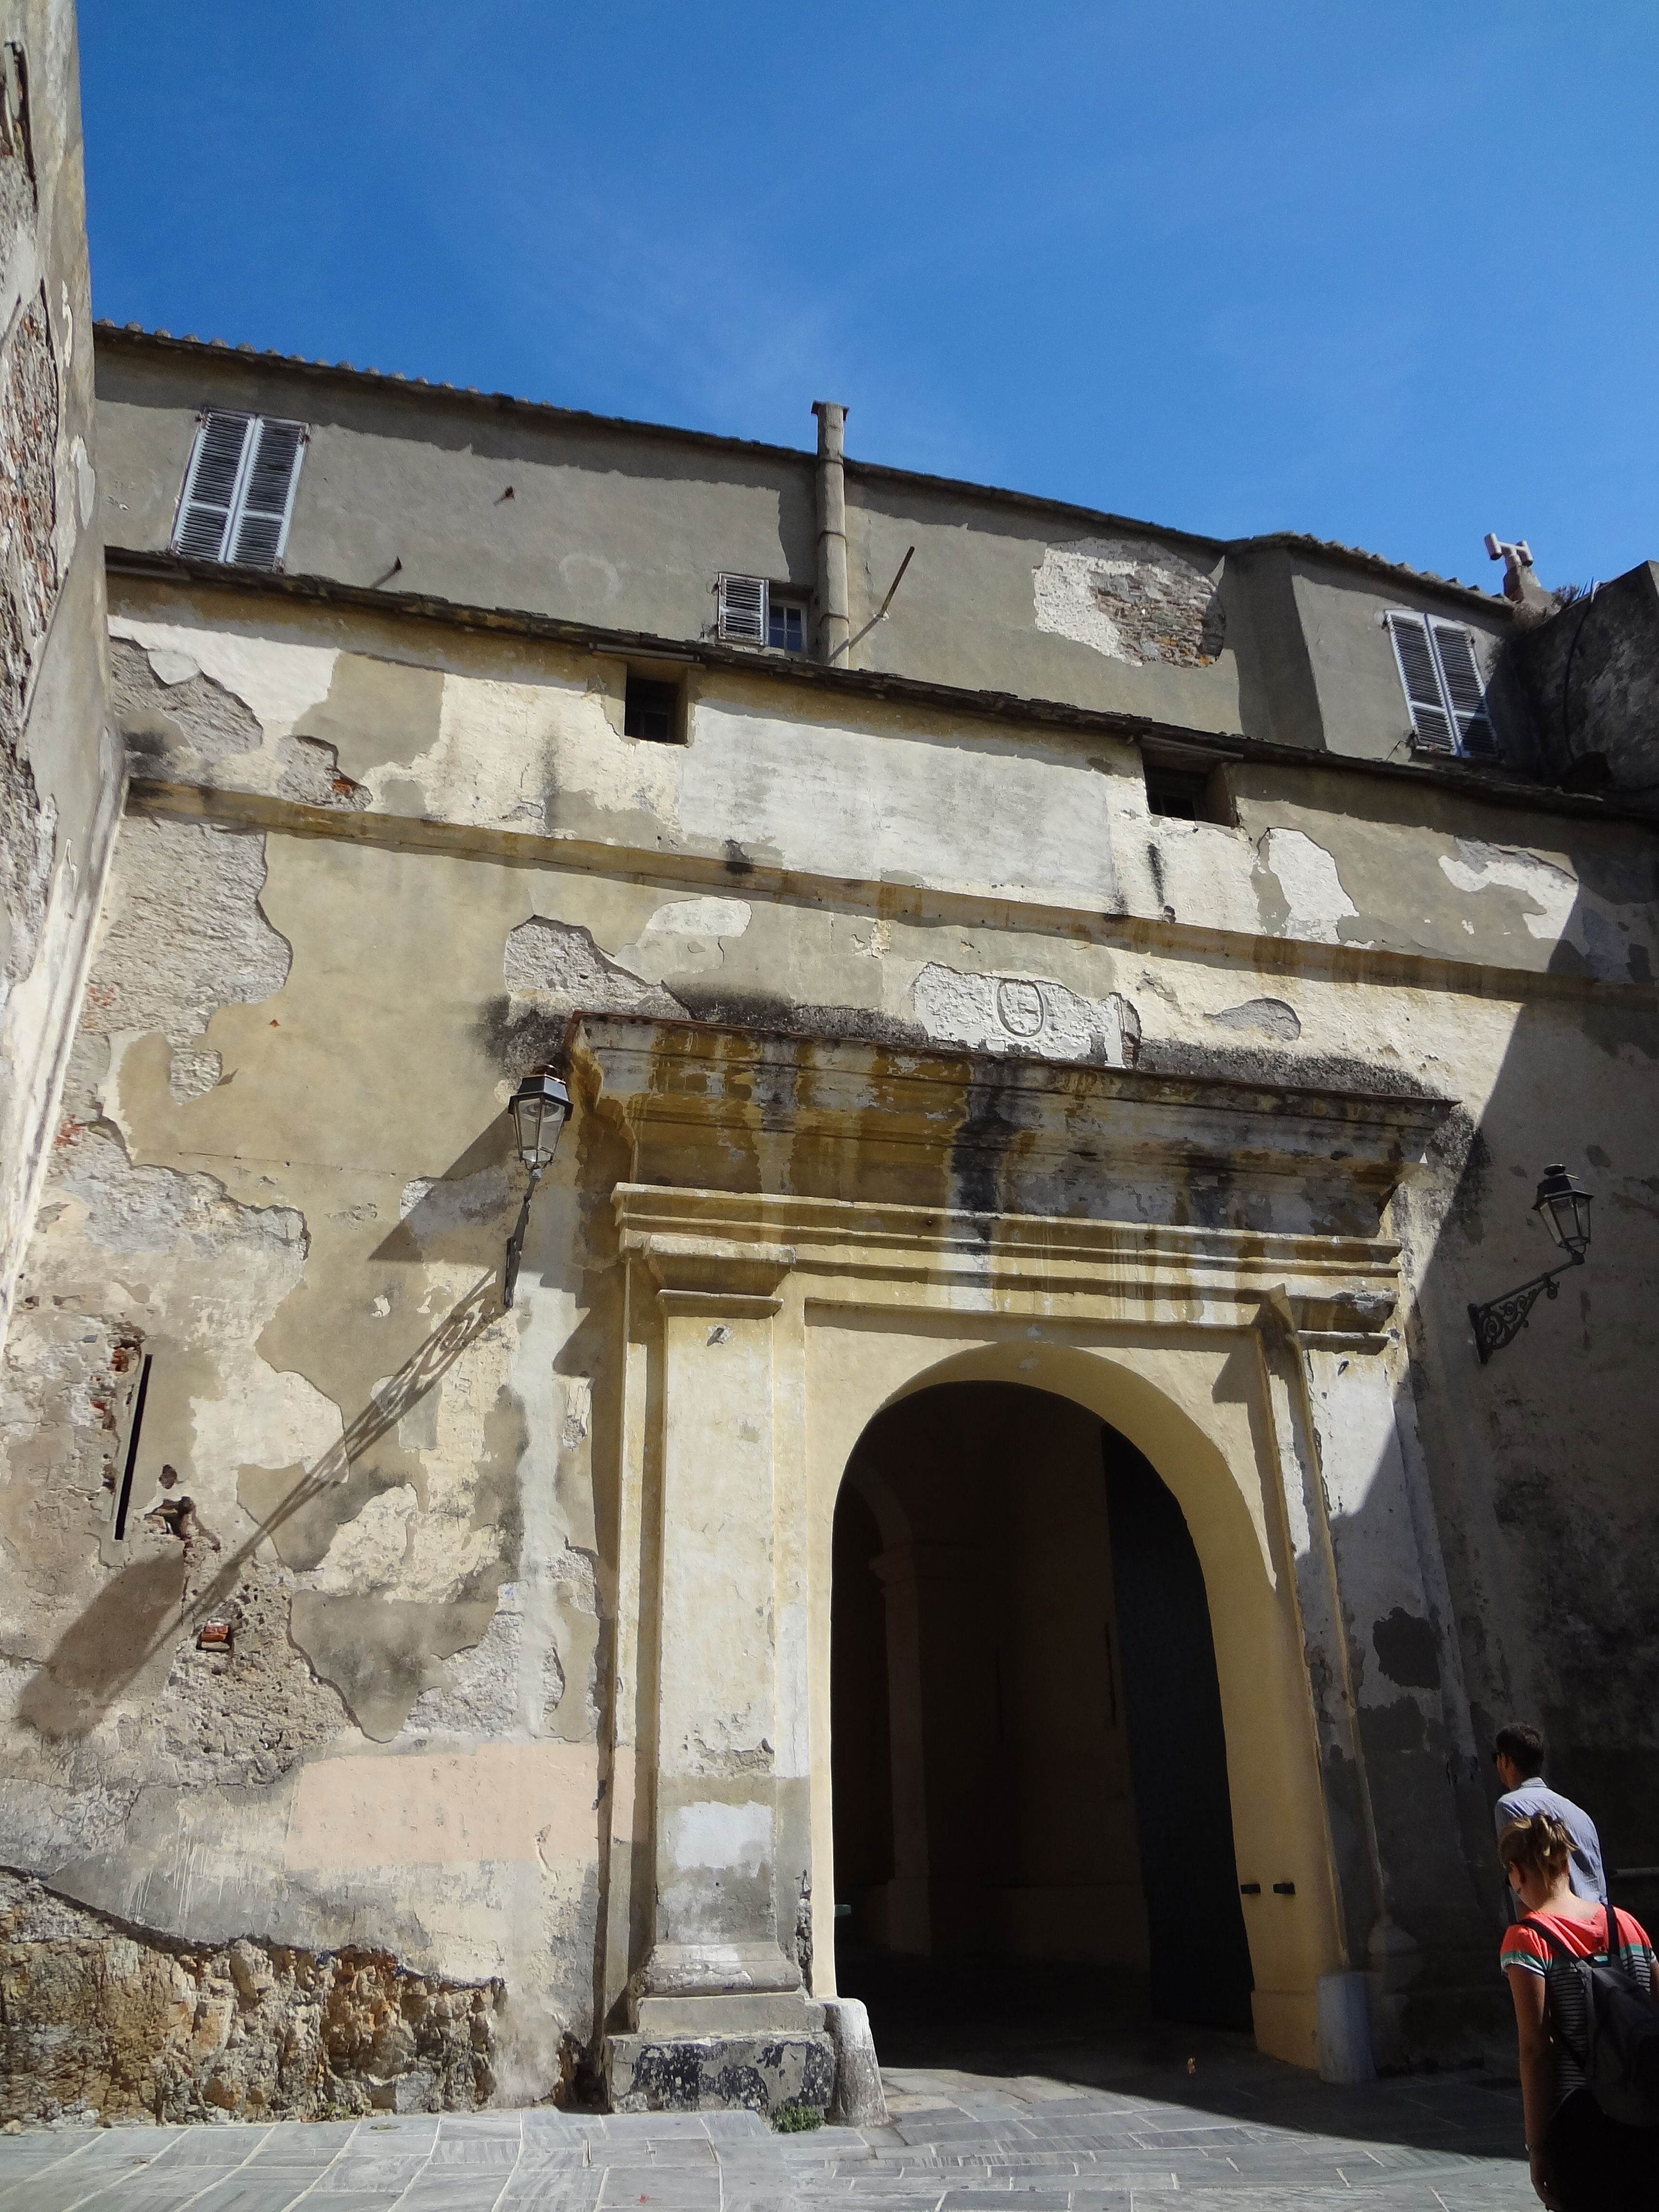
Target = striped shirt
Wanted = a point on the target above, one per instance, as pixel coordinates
(1566, 2009)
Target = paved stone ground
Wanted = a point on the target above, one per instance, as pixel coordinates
(1240, 2134)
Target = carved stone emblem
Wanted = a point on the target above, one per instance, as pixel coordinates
(1019, 1007)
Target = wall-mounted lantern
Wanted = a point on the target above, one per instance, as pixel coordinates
(540, 1108)
(1564, 1211)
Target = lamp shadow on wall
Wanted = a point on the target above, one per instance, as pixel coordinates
(139, 1616)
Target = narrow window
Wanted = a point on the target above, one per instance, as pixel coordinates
(1444, 688)
(238, 496)
(1177, 792)
(786, 624)
(742, 610)
(651, 711)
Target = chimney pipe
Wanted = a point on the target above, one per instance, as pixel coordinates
(834, 621)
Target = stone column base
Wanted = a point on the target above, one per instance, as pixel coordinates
(760, 2072)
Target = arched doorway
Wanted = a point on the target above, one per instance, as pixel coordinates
(1027, 1750)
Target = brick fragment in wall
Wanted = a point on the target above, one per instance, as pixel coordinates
(180, 726)
(235, 1715)
(105, 2020)
(244, 1712)
(185, 932)
(1138, 603)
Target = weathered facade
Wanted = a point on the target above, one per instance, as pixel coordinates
(1067, 1052)
(60, 765)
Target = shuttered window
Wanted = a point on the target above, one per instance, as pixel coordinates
(1444, 688)
(238, 497)
(742, 610)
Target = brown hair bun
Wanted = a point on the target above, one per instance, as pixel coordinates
(1539, 1843)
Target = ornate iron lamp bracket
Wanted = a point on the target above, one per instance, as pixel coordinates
(1502, 1320)
(515, 1242)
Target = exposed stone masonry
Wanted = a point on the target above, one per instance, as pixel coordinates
(99, 2020)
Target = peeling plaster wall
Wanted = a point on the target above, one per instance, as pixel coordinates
(626, 527)
(374, 866)
(403, 1574)
(60, 778)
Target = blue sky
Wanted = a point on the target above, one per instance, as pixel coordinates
(1386, 274)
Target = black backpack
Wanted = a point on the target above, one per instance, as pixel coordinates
(1621, 2061)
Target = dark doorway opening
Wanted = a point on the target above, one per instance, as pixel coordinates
(1027, 1763)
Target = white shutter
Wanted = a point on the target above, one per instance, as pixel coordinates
(272, 470)
(742, 610)
(1465, 688)
(211, 485)
(1419, 673)
(239, 489)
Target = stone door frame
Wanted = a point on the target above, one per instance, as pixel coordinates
(764, 1330)
(848, 1307)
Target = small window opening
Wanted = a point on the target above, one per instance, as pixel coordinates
(652, 711)
(1180, 794)
(785, 627)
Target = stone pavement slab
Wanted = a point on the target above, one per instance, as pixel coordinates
(1241, 2135)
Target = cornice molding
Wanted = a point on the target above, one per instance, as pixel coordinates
(1327, 1291)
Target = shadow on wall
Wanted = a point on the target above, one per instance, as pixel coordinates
(139, 1616)
(1531, 1482)
(1557, 1550)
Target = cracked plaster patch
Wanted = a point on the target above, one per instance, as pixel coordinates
(1024, 1014)
(179, 724)
(1615, 937)
(685, 937)
(1553, 890)
(1307, 878)
(1273, 1018)
(495, 760)
(1133, 602)
(183, 934)
(279, 683)
(558, 963)
(368, 1553)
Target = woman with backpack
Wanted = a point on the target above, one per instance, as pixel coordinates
(1584, 2016)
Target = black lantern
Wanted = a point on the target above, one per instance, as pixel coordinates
(540, 1109)
(1564, 1210)
(540, 1106)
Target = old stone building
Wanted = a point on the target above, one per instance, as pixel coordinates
(988, 1453)
(60, 773)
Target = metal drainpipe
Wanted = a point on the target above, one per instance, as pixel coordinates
(834, 621)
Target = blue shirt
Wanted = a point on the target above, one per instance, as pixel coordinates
(1585, 1870)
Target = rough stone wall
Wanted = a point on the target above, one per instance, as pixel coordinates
(102, 2020)
(59, 772)
(1138, 603)
(1589, 673)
